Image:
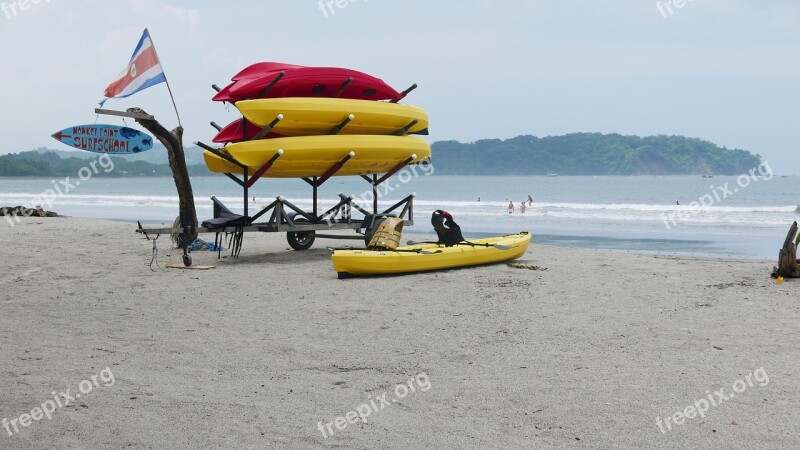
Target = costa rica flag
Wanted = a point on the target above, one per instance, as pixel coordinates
(144, 70)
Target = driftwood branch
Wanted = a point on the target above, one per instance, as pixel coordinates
(22, 211)
(787, 257)
(173, 141)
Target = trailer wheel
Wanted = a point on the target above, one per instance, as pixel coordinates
(300, 240)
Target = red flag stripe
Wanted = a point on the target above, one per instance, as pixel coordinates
(146, 60)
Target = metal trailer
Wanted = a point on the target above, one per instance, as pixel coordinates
(301, 227)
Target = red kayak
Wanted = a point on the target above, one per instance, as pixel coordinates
(252, 72)
(240, 130)
(258, 69)
(277, 80)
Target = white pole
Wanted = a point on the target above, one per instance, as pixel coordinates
(165, 78)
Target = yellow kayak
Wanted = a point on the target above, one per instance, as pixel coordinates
(312, 116)
(435, 257)
(312, 156)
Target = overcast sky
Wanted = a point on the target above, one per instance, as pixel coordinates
(723, 70)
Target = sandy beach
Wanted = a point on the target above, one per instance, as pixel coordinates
(271, 350)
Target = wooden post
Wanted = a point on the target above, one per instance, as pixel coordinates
(173, 141)
(787, 257)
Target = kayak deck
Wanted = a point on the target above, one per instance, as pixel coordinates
(313, 156)
(318, 116)
(426, 257)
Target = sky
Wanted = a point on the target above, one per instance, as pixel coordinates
(727, 71)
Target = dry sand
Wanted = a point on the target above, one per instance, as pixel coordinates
(257, 352)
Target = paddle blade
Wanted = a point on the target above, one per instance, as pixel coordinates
(428, 252)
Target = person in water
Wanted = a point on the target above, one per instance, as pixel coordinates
(522, 208)
(510, 207)
(530, 200)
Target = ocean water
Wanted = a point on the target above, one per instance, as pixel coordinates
(746, 216)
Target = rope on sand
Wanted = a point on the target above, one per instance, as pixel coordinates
(154, 259)
(524, 265)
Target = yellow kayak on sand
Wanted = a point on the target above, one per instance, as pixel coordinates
(312, 156)
(419, 258)
(312, 116)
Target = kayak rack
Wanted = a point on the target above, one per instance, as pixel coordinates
(283, 216)
(301, 227)
(247, 181)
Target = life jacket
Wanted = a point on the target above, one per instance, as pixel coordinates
(446, 228)
(388, 234)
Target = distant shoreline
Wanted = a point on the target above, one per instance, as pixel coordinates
(27, 177)
(575, 154)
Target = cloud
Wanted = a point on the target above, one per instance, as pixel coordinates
(183, 15)
(222, 57)
(510, 13)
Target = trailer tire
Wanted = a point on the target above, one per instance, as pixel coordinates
(300, 240)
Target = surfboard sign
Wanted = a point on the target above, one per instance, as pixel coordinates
(111, 139)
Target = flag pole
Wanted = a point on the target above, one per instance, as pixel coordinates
(166, 80)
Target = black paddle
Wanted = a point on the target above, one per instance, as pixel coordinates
(471, 244)
(420, 251)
